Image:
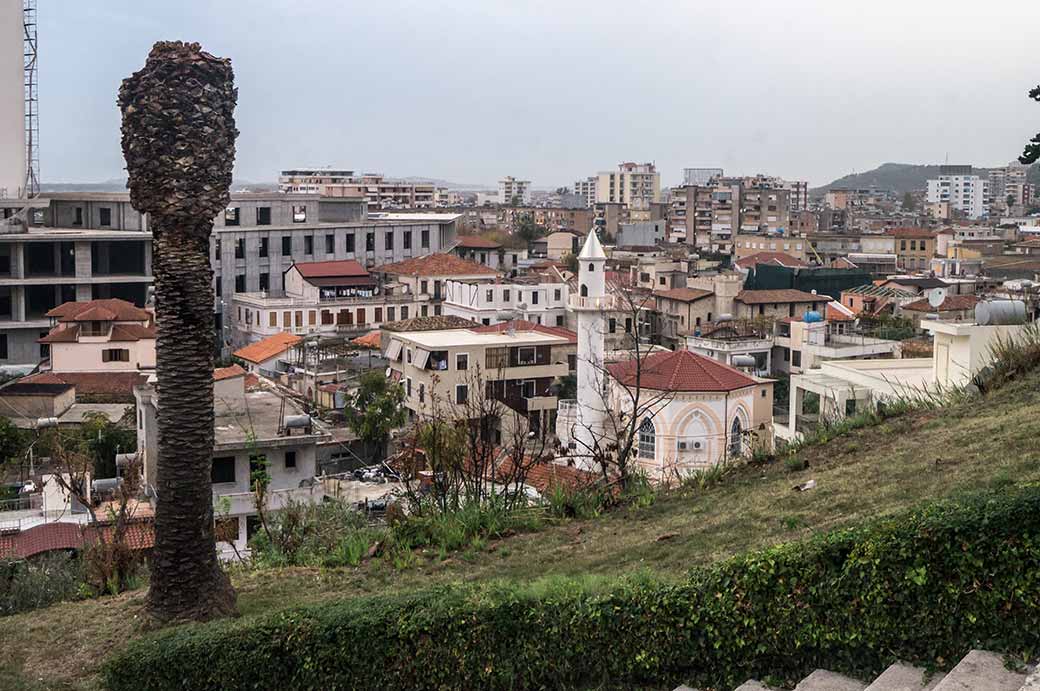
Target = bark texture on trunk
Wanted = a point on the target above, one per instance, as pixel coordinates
(179, 144)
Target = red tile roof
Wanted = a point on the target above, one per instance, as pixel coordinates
(110, 309)
(117, 384)
(59, 334)
(331, 269)
(222, 373)
(910, 233)
(778, 258)
(477, 243)
(952, 303)
(756, 297)
(837, 312)
(266, 349)
(680, 370)
(437, 265)
(132, 332)
(523, 325)
(683, 294)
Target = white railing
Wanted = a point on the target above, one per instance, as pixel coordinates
(605, 302)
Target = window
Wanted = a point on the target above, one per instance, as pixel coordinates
(736, 432)
(223, 470)
(559, 320)
(105, 216)
(461, 361)
(232, 216)
(661, 279)
(584, 290)
(115, 355)
(263, 246)
(45, 348)
(557, 295)
(422, 392)
(461, 393)
(290, 460)
(388, 239)
(287, 320)
(390, 313)
(273, 319)
(330, 243)
(424, 287)
(263, 215)
(216, 250)
(408, 386)
(326, 317)
(370, 242)
(647, 439)
(308, 245)
(425, 238)
(350, 243)
(592, 267)
(612, 325)
(424, 311)
(525, 356)
(3, 346)
(240, 283)
(404, 311)
(796, 358)
(265, 281)
(299, 319)
(534, 297)
(505, 295)
(240, 248)
(489, 295)
(79, 216)
(286, 245)
(219, 287)
(407, 239)
(299, 214)
(312, 317)
(572, 361)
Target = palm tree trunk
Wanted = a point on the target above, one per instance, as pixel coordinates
(187, 582)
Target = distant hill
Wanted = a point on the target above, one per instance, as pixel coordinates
(901, 177)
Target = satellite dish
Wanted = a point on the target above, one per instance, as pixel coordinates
(936, 296)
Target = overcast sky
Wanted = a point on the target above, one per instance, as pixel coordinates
(554, 90)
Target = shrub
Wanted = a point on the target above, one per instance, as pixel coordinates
(40, 582)
(302, 534)
(924, 586)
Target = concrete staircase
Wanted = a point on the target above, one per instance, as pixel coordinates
(977, 671)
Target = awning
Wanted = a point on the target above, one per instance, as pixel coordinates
(393, 350)
(421, 358)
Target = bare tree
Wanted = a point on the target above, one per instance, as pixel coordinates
(179, 144)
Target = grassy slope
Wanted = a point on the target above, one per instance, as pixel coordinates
(878, 470)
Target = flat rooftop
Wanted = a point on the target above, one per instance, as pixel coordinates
(41, 233)
(260, 414)
(455, 338)
(413, 216)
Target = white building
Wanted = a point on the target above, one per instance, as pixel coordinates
(700, 176)
(100, 336)
(586, 189)
(966, 193)
(531, 300)
(629, 184)
(247, 425)
(695, 411)
(509, 188)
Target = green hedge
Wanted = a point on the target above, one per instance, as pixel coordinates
(925, 586)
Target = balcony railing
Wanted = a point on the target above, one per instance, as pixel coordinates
(605, 302)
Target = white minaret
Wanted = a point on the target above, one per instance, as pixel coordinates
(590, 304)
(12, 110)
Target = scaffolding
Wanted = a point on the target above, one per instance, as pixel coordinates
(32, 104)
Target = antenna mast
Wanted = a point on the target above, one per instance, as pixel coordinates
(32, 104)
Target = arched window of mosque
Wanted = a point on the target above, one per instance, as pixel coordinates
(592, 267)
(584, 290)
(735, 437)
(647, 439)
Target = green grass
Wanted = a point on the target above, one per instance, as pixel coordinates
(988, 443)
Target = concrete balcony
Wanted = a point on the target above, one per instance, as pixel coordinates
(239, 503)
(592, 304)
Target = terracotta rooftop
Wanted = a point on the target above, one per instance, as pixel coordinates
(680, 370)
(437, 265)
(524, 325)
(683, 294)
(778, 258)
(331, 269)
(910, 233)
(757, 297)
(952, 303)
(837, 312)
(477, 243)
(435, 323)
(68, 334)
(371, 340)
(118, 384)
(267, 348)
(132, 332)
(110, 309)
(222, 373)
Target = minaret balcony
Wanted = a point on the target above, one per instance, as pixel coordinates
(592, 304)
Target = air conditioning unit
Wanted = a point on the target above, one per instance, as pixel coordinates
(682, 446)
(696, 445)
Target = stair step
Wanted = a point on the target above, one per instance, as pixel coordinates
(900, 677)
(980, 670)
(822, 680)
(754, 685)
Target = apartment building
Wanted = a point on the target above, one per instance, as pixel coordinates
(587, 190)
(535, 299)
(260, 236)
(700, 176)
(551, 219)
(914, 248)
(776, 304)
(513, 192)
(764, 209)
(1010, 187)
(249, 426)
(630, 182)
(746, 245)
(380, 192)
(969, 194)
(60, 248)
(516, 365)
(329, 298)
(426, 277)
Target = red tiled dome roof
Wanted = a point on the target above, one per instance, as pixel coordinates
(680, 370)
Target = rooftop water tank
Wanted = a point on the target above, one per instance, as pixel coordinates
(1000, 312)
(812, 317)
